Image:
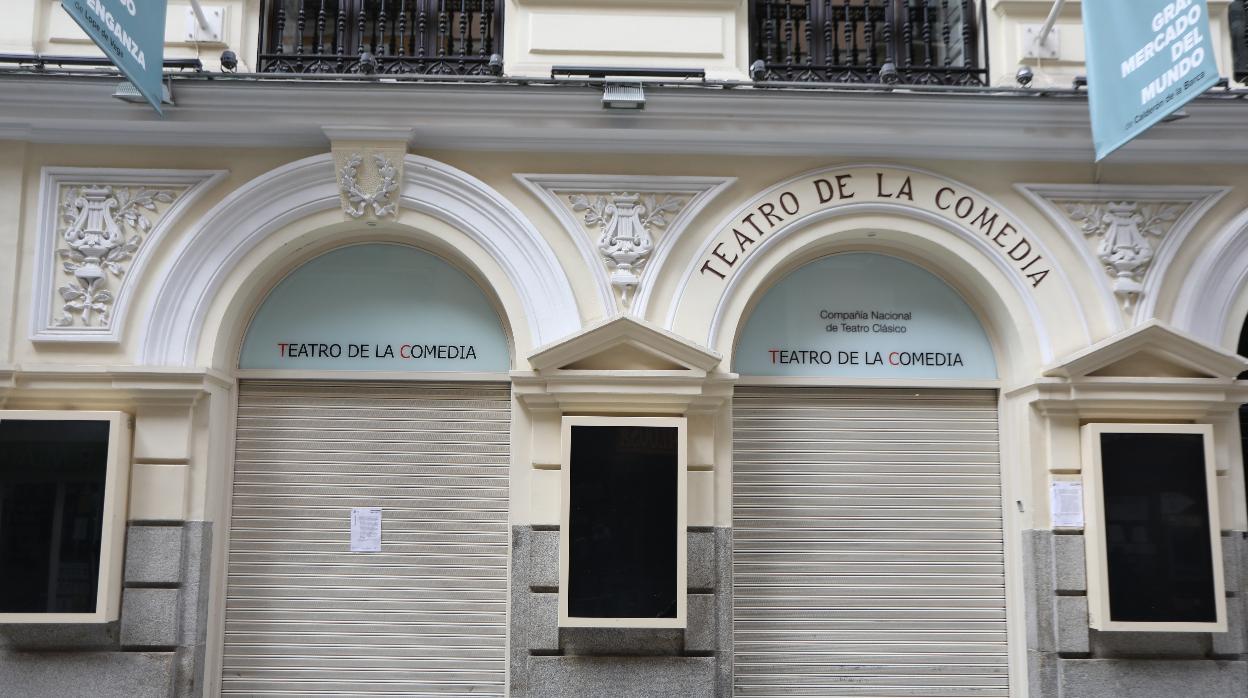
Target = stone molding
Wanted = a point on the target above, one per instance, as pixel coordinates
(736, 285)
(1127, 235)
(96, 230)
(257, 209)
(1218, 280)
(649, 212)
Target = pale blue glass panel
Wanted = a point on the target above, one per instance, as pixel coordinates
(863, 315)
(376, 307)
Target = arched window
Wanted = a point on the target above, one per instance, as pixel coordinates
(864, 315)
(376, 307)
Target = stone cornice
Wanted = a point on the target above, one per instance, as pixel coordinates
(1011, 125)
(107, 385)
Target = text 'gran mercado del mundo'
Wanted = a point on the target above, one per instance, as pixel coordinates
(623, 348)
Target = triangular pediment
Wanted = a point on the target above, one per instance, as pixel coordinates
(1151, 350)
(625, 343)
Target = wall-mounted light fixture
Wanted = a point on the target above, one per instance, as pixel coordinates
(622, 88)
(127, 92)
(623, 94)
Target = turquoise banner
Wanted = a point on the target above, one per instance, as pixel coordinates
(132, 34)
(1146, 59)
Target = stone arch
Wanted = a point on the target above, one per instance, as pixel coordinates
(1213, 305)
(1030, 325)
(187, 289)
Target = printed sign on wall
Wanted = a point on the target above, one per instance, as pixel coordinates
(864, 315)
(376, 307)
(1146, 59)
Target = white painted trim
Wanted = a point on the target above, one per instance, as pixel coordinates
(1199, 200)
(249, 214)
(682, 516)
(48, 229)
(624, 330)
(837, 382)
(1099, 616)
(1153, 336)
(733, 118)
(1216, 283)
(112, 518)
(976, 241)
(550, 188)
(389, 376)
(1025, 296)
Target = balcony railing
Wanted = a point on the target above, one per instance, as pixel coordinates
(930, 42)
(433, 37)
(1239, 38)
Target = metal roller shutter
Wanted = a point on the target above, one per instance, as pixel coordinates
(867, 543)
(427, 615)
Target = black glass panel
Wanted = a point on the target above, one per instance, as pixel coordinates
(51, 513)
(1157, 528)
(622, 522)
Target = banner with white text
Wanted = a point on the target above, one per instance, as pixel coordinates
(1146, 59)
(132, 34)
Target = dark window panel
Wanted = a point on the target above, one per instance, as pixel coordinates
(51, 514)
(622, 522)
(1157, 528)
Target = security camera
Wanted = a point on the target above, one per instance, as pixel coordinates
(758, 70)
(1024, 75)
(888, 74)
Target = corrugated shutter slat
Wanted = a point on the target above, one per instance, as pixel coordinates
(867, 541)
(427, 615)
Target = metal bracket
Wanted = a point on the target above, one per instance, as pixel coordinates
(1048, 49)
(204, 24)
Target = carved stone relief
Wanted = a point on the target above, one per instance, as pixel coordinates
(370, 176)
(97, 229)
(626, 223)
(1124, 233)
(624, 226)
(103, 229)
(358, 197)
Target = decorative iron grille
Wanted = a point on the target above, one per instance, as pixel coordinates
(925, 41)
(1239, 38)
(434, 37)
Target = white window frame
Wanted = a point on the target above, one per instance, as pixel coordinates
(113, 524)
(1097, 563)
(682, 468)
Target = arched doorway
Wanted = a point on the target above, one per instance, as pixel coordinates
(368, 538)
(868, 535)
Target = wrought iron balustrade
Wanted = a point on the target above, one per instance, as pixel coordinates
(434, 37)
(933, 42)
(1239, 38)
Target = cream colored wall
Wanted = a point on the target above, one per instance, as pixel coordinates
(12, 168)
(42, 26)
(242, 166)
(260, 269)
(1009, 49)
(184, 422)
(708, 34)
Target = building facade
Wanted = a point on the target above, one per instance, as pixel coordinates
(406, 354)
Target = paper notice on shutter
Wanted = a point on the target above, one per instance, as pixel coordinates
(1067, 504)
(365, 530)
